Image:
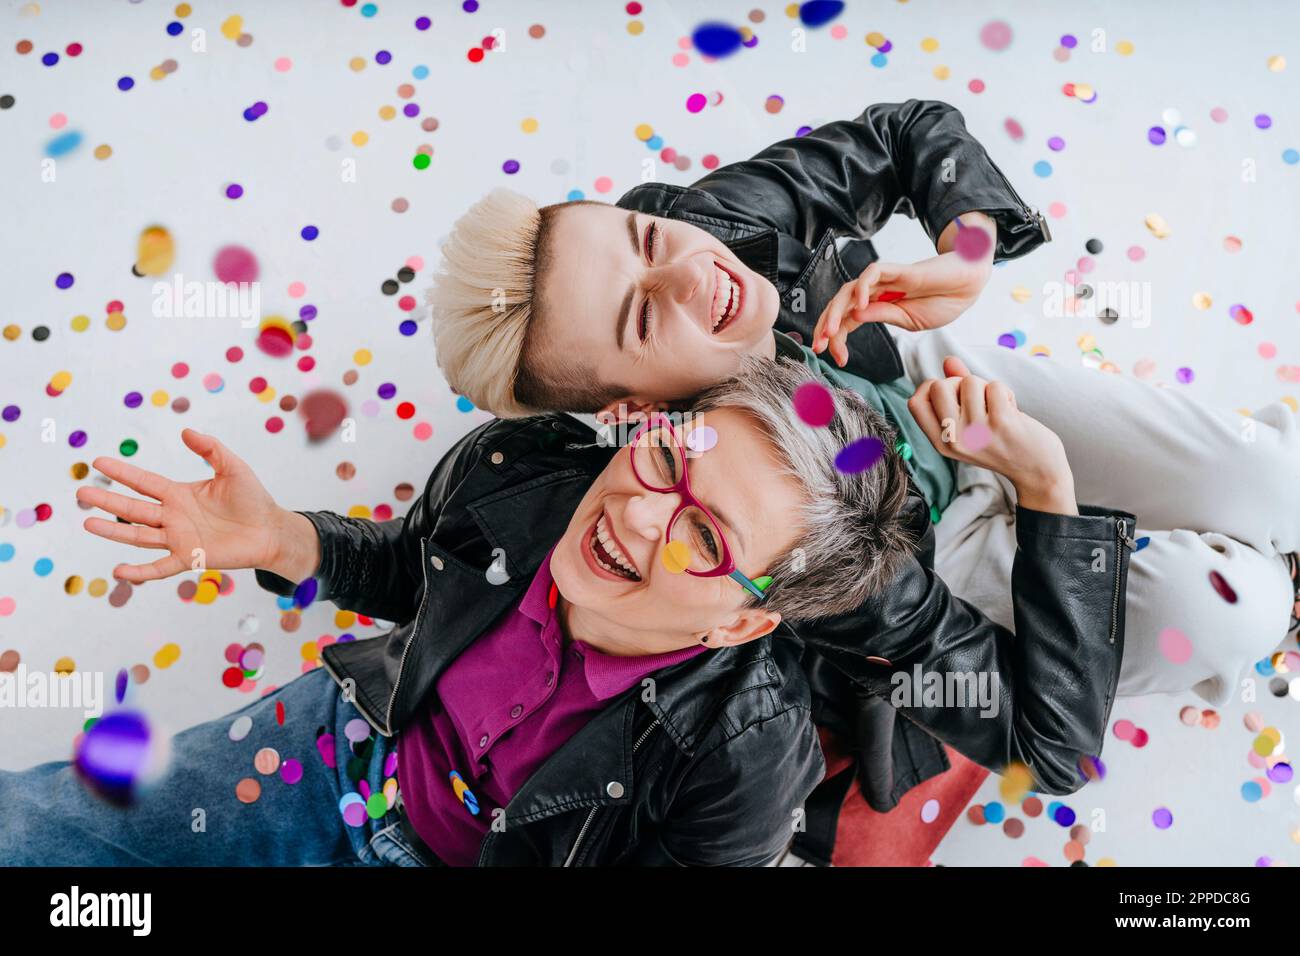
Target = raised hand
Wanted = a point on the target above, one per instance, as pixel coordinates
(224, 522)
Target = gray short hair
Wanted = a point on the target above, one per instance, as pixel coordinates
(855, 537)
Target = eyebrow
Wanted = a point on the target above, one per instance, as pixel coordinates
(625, 310)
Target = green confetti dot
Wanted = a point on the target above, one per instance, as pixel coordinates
(377, 806)
(421, 161)
(129, 447)
(935, 515)
(904, 449)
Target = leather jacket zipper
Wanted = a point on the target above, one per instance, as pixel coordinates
(1032, 214)
(1121, 538)
(586, 824)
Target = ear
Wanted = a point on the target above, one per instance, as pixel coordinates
(628, 410)
(750, 624)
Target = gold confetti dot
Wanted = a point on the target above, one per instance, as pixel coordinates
(635, 27)
(941, 72)
(64, 666)
(357, 64)
(530, 125)
(61, 380)
(929, 44)
(1290, 402)
(344, 619)
(97, 588)
(1157, 225)
(387, 112)
(358, 511)
(12, 332)
(103, 151)
(875, 38)
(1202, 300)
(166, 656)
(206, 592)
(183, 10)
(644, 132)
(1124, 48)
(73, 585)
(1021, 294)
(266, 395)
(80, 470)
(80, 323)
(233, 27)
(157, 73)
(309, 651)
(158, 399)
(360, 138)
(116, 321)
(1277, 63)
(362, 356)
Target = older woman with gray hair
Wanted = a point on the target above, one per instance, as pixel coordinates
(592, 661)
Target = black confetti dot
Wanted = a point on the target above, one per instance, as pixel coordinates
(1084, 292)
(389, 287)
(1109, 316)
(1093, 245)
(6, 102)
(41, 333)
(405, 274)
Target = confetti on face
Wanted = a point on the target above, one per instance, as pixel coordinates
(676, 557)
(702, 438)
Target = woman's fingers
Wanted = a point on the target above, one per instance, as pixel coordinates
(137, 479)
(829, 323)
(134, 534)
(970, 393)
(1001, 402)
(953, 366)
(140, 573)
(131, 509)
(943, 399)
(921, 409)
(222, 459)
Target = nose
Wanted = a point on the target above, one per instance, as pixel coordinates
(647, 515)
(683, 278)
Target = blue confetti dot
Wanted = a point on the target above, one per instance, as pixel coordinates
(654, 142)
(125, 83)
(1251, 791)
(717, 39)
(50, 59)
(994, 812)
(408, 327)
(43, 566)
(420, 72)
(463, 404)
(817, 13)
(284, 603)
(6, 552)
(879, 60)
(1042, 169)
(575, 194)
(1290, 156)
(310, 232)
(174, 28)
(64, 144)
(369, 10)
(1064, 816)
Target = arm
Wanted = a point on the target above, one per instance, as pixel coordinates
(916, 158)
(372, 567)
(1056, 675)
(737, 805)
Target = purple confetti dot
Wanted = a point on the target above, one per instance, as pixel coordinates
(234, 191)
(119, 687)
(64, 281)
(132, 399)
(11, 413)
(307, 313)
(803, 131)
(1007, 340)
(1056, 144)
(77, 438)
(1280, 773)
(1263, 121)
(1185, 375)
(469, 6)
(411, 109)
(291, 771)
(1069, 41)
(510, 166)
(383, 56)
(860, 455)
(423, 23)
(1162, 818)
(387, 390)
(1156, 135)
(885, 47)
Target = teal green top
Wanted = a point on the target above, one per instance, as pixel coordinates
(935, 476)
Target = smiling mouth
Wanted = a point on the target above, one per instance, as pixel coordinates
(728, 297)
(608, 552)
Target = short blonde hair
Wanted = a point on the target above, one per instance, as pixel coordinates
(483, 307)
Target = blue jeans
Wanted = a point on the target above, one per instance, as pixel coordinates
(48, 817)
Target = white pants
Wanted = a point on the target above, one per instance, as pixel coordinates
(1211, 494)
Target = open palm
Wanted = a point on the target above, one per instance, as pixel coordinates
(224, 522)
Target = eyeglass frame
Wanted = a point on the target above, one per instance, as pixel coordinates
(682, 489)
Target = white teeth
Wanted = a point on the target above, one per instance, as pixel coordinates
(607, 541)
(732, 300)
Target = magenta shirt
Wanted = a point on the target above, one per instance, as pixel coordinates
(502, 708)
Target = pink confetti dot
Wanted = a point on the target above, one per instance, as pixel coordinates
(58, 121)
(813, 404)
(180, 370)
(1267, 350)
(1175, 645)
(709, 161)
(235, 264)
(1136, 253)
(1124, 729)
(1144, 368)
(680, 59)
(1014, 130)
(996, 35)
(297, 290)
(1057, 210)
(696, 102)
(1185, 375)
(975, 86)
(423, 431)
(604, 184)
(976, 436)
(283, 64)
(1086, 264)
(415, 262)
(1219, 114)
(839, 32)
(6, 606)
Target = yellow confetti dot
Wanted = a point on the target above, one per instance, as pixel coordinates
(1123, 48)
(1083, 91)
(73, 585)
(1277, 63)
(1105, 861)
(387, 112)
(116, 321)
(360, 138)
(362, 356)
(103, 151)
(79, 471)
(344, 619)
(61, 380)
(929, 44)
(1016, 782)
(166, 656)
(213, 576)
(266, 395)
(157, 73)
(1021, 294)
(12, 332)
(206, 592)
(1290, 402)
(941, 72)
(1086, 342)
(232, 27)
(875, 38)
(1039, 350)
(357, 64)
(644, 132)
(792, 10)
(359, 511)
(309, 651)
(80, 323)
(159, 398)
(64, 666)
(635, 27)
(183, 10)
(1202, 300)
(97, 588)
(2, 444)
(676, 557)
(1157, 225)
(529, 125)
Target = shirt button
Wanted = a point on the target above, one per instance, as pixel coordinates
(436, 562)
(614, 789)
(482, 741)
(516, 710)
(497, 458)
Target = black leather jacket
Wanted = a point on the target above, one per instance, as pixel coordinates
(506, 487)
